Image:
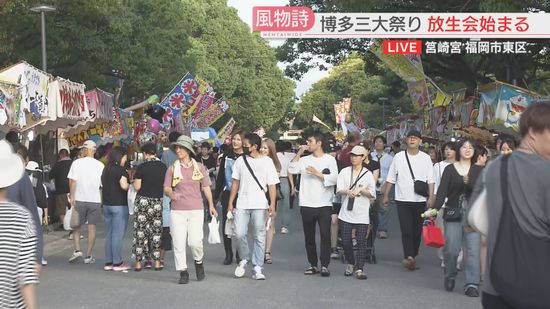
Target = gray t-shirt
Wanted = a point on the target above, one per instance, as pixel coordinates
(528, 179)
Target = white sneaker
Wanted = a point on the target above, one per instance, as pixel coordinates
(76, 255)
(44, 262)
(241, 268)
(284, 230)
(258, 275)
(89, 260)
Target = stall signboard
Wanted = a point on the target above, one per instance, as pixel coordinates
(34, 95)
(10, 101)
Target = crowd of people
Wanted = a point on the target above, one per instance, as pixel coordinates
(347, 190)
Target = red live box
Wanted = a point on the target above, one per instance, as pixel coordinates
(393, 47)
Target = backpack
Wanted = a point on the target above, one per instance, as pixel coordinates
(520, 265)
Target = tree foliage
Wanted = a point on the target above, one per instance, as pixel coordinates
(153, 42)
(527, 70)
(349, 79)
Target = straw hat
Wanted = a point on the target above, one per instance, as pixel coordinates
(12, 165)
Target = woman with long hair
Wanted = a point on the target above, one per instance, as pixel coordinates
(148, 183)
(268, 149)
(450, 152)
(114, 182)
(223, 187)
(454, 188)
(182, 184)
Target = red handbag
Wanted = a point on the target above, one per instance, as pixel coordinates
(432, 235)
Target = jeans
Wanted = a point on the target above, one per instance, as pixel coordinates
(383, 211)
(259, 220)
(410, 222)
(283, 206)
(361, 236)
(116, 220)
(310, 218)
(226, 240)
(455, 237)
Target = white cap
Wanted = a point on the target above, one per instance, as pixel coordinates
(89, 144)
(33, 166)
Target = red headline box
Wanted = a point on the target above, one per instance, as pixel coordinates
(396, 47)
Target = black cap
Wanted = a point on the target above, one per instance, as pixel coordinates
(415, 133)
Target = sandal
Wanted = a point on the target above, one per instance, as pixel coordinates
(160, 267)
(349, 270)
(311, 271)
(148, 264)
(268, 259)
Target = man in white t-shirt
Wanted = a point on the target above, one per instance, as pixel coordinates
(252, 204)
(85, 195)
(410, 205)
(319, 173)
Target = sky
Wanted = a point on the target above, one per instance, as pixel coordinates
(244, 8)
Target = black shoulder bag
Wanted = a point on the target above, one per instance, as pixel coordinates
(351, 200)
(420, 187)
(520, 272)
(266, 192)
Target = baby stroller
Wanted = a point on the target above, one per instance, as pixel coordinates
(371, 236)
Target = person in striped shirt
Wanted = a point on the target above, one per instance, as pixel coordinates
(18, 239)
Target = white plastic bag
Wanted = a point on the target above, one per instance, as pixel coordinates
(214, 232)
(478, 216)
(131, 199)
(67, 219)
(230, 226)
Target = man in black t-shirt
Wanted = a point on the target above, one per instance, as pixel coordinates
(59, 173)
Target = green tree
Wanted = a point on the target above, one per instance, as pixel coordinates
(153, 42)
(527, 70)
(349, 79)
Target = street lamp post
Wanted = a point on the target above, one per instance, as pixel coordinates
(383, 100)
(43, 9)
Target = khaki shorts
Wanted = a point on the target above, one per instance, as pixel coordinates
(61, 204)
(90, 212)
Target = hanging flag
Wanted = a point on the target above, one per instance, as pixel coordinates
(442, 99)
(512, 101)
(179, 98)
(212, 114)
(225, 131)
(317, 120)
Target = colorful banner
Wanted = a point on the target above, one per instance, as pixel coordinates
(71, 100)
(341, 109)
(180, 97)
(418, 90)
(487, 106)
(399, 64)
(511, 104)
(225, 131)
(100, 104)
(119, 128)
(10, 102)
(212, 114)
(34, 96)
(442, 99)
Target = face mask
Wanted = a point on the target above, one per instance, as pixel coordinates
(246, 150)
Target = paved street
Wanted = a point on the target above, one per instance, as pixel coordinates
(64, 285)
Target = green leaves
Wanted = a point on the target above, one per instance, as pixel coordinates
(153, 42)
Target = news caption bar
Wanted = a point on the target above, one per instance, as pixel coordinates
(302, 22)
